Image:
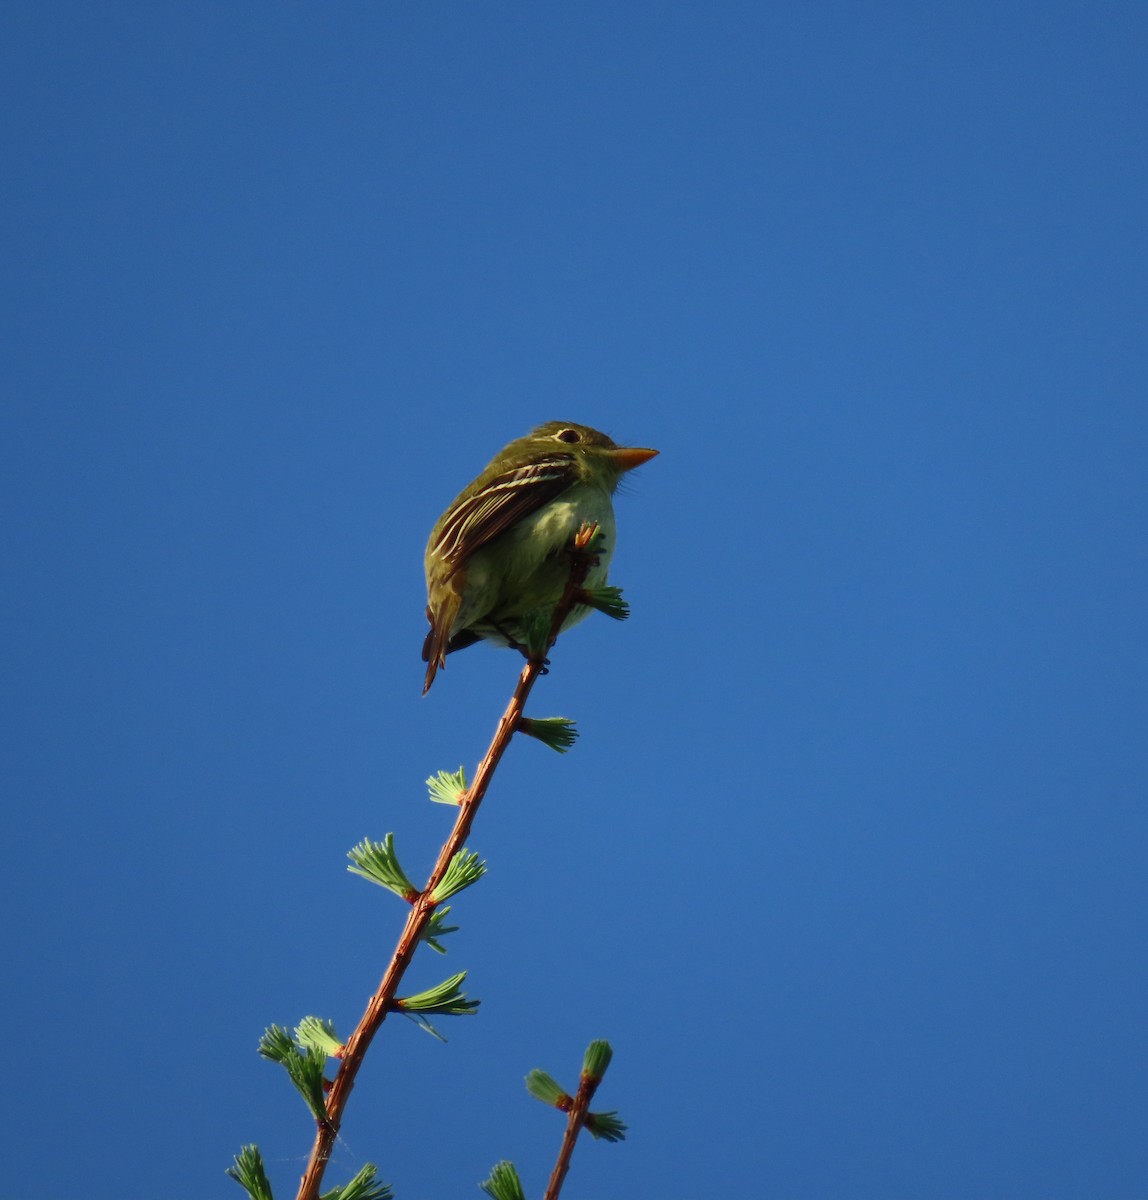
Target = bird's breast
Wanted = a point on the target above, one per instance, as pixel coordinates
(553, 527)
(523, 569)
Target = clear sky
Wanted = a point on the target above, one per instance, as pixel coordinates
(849, 864)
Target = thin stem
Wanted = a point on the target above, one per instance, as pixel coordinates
(587, 1086)
(419, 916)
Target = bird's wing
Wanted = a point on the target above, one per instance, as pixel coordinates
(506, 499)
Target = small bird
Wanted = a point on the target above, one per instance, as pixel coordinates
(496, 553)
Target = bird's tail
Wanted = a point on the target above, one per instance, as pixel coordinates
(438, 637)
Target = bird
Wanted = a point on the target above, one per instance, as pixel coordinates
(496, 554)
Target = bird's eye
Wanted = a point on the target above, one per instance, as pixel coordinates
(568, 435)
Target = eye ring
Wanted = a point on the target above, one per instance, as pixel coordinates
(570, 436)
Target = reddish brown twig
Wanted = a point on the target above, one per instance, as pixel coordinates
(421, 911)
(587, 1086)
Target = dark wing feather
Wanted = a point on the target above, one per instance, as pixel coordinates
(473, 521)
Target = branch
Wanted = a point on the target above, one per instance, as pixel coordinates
(582, 558)
(606, 1125)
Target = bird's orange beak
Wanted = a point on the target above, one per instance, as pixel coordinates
(629, 457)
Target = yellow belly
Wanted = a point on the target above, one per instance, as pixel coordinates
(525, 569)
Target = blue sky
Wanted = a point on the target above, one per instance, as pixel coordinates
(849, 862)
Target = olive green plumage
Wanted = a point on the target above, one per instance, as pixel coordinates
(496, 553)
